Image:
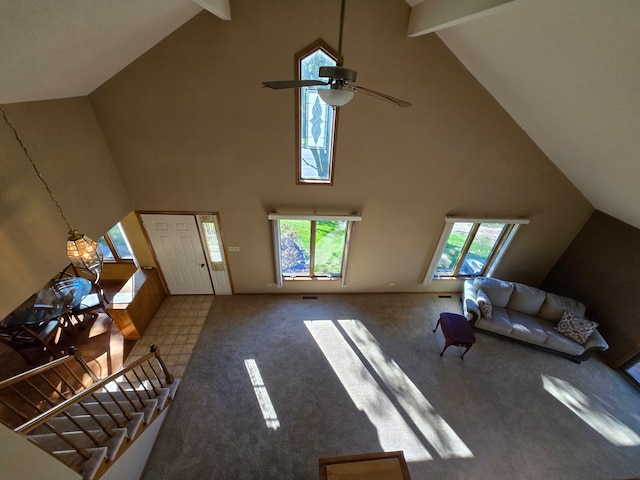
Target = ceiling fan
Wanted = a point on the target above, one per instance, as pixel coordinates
(340, 90)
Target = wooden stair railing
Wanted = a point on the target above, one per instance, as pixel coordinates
(29, 394)
(90, 429)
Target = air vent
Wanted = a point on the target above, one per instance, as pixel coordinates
(309, 297)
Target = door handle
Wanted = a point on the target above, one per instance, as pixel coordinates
(202, 265)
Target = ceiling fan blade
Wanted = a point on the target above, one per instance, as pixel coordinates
(279, 84)
(381, 96)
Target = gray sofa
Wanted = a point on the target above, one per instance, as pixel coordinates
(526, 314)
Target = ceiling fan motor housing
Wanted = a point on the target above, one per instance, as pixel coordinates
(338, 73)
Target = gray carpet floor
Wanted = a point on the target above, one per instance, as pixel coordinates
(278, 381)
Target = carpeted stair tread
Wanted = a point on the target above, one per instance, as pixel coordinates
(127, 394)
(163, 396)
(96, 408)
(122, 396)
(149, 410)
(85, 467)
(173, 387)
(134, 424)
(64, 424)
(52, 443)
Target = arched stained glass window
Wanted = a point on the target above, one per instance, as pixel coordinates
(315, 120)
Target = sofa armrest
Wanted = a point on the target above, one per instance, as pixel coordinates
(596, 342)
(470, 306)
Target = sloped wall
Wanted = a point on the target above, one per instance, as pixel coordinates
(22, 460)
(68, 148)
(600, 268)
(190, 128)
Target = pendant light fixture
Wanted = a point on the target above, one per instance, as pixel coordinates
(83, 252)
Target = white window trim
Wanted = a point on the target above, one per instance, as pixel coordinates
(348, 248)
(450, 221)
(348, 218)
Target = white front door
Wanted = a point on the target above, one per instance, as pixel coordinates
(176, 242)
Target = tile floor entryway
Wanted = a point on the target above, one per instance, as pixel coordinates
(174, 329)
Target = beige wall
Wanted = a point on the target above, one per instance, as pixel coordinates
(68, 147)
(605, 249)
(191, 128)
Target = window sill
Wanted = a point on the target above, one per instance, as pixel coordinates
(320, 279)
(118, 262)
(459, 278)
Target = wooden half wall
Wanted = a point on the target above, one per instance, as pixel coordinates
(600, 268)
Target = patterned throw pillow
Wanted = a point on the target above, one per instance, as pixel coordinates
(576, 328)
(484, 303)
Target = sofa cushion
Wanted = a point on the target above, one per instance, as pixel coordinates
(499, 322)
(526, 299)
(555, 305)
(557, 341)
(484, 303)
(575, 327)
(526, 327)
(498, 291)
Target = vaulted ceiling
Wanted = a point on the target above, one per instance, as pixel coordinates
(568, 71)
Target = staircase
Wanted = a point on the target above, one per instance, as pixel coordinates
(86, 422)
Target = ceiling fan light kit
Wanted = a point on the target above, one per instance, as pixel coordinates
(336, 97)
(340, 91)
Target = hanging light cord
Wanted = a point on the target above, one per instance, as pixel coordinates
(33, 164)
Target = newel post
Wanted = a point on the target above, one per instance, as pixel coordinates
(156, 351)
(80, 359)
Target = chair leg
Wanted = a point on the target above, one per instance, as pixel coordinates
(68, 325)
(45, 342)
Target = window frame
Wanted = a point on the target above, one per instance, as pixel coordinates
(305, 52)
(493, 260)
(114, 251)
(346, 253)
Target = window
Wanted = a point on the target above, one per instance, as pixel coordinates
(312, 247)
(211, 235)
(115, 246)
(471, 247)
(315, 120)
(632, 370)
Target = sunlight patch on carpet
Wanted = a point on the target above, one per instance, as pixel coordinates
(268, 412)
(394, 433)
(590, 412)
(405, 420)
(430, 424)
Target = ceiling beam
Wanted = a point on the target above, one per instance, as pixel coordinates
(433, 15)
(220, 8)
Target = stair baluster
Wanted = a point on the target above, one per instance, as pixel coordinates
(91, 427)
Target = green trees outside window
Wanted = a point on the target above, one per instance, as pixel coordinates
(312, 248)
